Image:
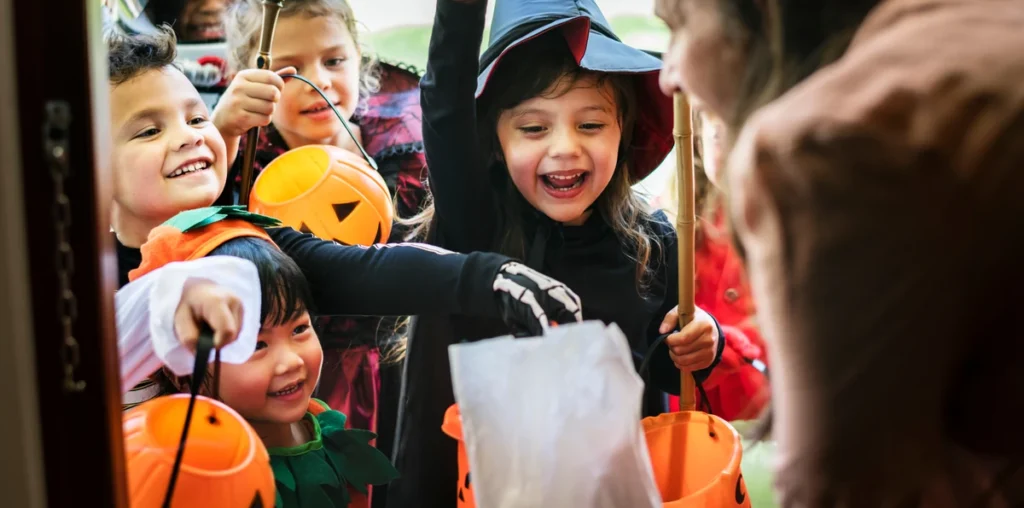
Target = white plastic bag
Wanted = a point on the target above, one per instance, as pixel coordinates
(554, 422)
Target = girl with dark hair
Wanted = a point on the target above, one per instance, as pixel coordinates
(316, 461)
(532, 151)
(875, 189)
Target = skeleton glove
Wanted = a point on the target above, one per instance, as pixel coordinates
(530, 301)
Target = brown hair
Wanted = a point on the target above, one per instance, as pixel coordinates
(786, 41)
(128, 56)
(553, 70)
(245, 21)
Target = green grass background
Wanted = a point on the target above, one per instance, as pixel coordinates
(756, 467)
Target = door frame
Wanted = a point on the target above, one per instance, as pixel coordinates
(59, 55)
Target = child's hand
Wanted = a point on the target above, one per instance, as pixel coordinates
(532, 302)
(692, 348)
(203, 301)
(249, 101)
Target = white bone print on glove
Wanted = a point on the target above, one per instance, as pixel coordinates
(530, 301)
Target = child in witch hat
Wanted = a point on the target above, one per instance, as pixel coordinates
(316, 461)
(535, 155)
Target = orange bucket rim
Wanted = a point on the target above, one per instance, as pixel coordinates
(686, 417)
(243, 464)
(272, 169)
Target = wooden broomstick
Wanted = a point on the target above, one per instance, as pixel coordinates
(685, 219)
(270, 10)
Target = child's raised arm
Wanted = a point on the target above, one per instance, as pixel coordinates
(459, 179)
(410, 279)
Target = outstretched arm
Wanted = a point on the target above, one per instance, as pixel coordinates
(459, 179)
(159, 315)
(410, 278)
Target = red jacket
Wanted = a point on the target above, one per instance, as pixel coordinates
(736, 389)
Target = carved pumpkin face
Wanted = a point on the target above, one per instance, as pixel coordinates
(328, 192)
(225, 464)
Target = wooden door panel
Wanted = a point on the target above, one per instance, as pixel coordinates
(56, 43)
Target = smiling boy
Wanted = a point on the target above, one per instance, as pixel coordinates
(167, 156)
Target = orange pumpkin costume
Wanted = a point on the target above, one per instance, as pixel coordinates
(195, 233)
(332, 470)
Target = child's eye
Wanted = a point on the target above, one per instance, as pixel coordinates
(261, 345)
(148, 133)
(334, 62)
(532, 129)
(301, 329)
(199, 120)
(592, 126)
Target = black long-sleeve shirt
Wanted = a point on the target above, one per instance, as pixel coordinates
(383, 280)
(590, 259)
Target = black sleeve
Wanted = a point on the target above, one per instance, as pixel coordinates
(393, 279)
(664, 373)
(459, 180)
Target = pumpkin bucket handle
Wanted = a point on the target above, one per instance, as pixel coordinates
(203, 348)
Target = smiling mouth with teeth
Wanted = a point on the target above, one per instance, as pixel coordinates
(288, 390)
(317, 109)
(564, 182)
(189, 168)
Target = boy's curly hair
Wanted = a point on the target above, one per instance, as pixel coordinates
(128, 56)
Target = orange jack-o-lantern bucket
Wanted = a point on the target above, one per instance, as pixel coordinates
(696, 458)
(453, 427)
(225, 464)
(326, 191)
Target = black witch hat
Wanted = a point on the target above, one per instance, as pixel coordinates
(595, 48)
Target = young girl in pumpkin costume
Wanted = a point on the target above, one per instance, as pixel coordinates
(532, 151)
(316, 461)
(319, 39)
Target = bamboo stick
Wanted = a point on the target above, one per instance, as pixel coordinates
(685, 221)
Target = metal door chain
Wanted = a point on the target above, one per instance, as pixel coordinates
(56, 136)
